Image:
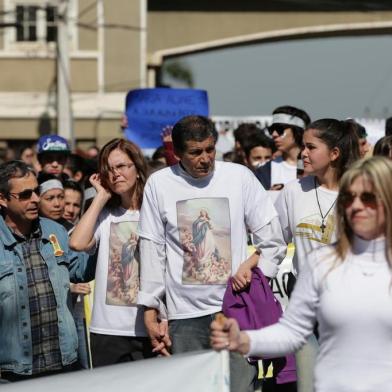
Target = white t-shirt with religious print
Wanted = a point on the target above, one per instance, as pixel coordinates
(202, 223)
(282, 172)
(300, 217)
(115, 310)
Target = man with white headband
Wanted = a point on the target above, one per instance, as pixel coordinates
(288, 124)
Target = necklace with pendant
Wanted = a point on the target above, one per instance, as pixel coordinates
(323, 217)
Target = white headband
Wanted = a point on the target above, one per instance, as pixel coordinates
(50, 184)
(282, 118)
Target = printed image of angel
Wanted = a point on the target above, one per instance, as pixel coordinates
(123, 267)
(203, 238)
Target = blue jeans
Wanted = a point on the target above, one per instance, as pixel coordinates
(194, 334)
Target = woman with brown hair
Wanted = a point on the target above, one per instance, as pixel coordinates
(345, 287)
(109, 228)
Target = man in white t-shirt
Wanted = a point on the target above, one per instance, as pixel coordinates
(193, 236)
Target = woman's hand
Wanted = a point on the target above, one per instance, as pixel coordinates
(227, 336)
(96, 182)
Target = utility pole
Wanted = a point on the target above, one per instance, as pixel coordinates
(64, 108)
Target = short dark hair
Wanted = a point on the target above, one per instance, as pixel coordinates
(74, 185)
(158, 153)
(76, 163)
(298, 132)
(244, 131)
(10, 170)
(197, 128)
(258, 140)
(43, 177)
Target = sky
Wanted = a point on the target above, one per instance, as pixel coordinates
(327, 77)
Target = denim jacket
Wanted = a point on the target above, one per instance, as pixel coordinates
(15, 329)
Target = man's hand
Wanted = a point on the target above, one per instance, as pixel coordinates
(158, 331)
(243, 276)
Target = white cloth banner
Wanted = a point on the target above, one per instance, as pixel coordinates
(191, 372)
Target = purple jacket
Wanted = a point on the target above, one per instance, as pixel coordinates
(254, 308)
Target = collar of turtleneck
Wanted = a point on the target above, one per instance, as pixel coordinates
(373, 248)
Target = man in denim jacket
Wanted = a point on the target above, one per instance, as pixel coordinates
(38, 334)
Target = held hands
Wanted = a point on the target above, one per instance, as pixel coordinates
(80, 288)
(226, 335)
(243, 276)
(158, 331)
(96, 182)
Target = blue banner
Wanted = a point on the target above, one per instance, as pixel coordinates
(150, 110)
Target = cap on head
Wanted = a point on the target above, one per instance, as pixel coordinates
(52, 143)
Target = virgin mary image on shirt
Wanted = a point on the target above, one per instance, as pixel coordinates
(123, 267)
(204, 228)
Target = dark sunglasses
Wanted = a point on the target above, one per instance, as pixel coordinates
(26, 194)
(278, 128)
(368, 199)
(49, 157)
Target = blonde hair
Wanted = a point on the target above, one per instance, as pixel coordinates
(377, 170)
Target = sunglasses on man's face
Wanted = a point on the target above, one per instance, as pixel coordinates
(54, 157)
(279, 129)
(368, 199)
(25, 194)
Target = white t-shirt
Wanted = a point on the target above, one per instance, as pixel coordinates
(282, 172)
(202, 223)
(352, 303)
(300, 217)
(117, 275)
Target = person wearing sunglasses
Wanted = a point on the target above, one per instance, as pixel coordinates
(286, 130)
(53, 152)
(306, 206)
(345, 287)
(38, 334)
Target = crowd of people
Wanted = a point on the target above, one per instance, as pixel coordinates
(166, 241)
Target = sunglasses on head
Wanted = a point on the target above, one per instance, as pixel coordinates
(278, 128)
(25, 194)
(368, 199)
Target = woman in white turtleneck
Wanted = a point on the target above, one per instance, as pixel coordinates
(346, 288)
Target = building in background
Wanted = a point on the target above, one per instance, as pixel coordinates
(112, 46)
(104, 44)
